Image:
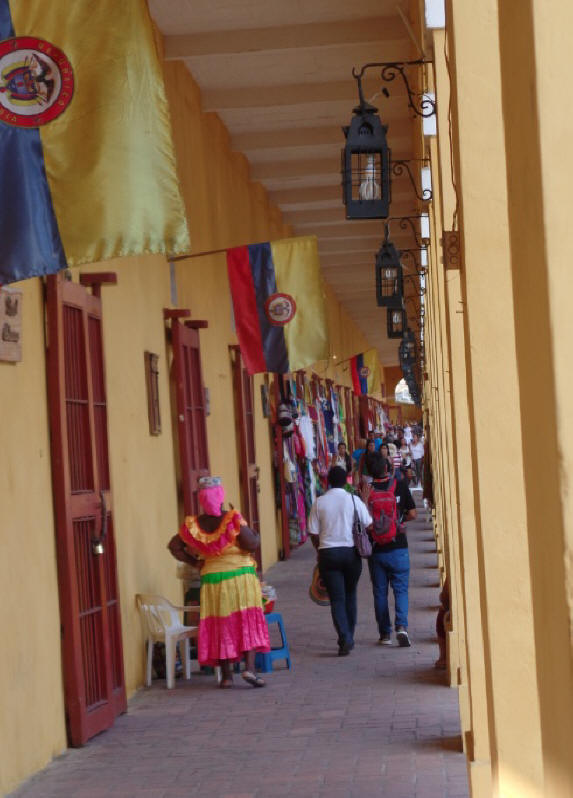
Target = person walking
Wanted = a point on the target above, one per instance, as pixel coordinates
(417, 452)
(343, 459)
(389, 564)
(408, 434)
(339, 564)
(368, 456)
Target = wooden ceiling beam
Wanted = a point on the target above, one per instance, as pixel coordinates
(307, 167)
(294, 196)
(260, 96)
(361, 244)
(345, 229)
(307, 136)
(324, 219)
(285, 37)
(365, 248)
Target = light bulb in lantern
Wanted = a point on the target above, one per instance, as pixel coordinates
(369, 187)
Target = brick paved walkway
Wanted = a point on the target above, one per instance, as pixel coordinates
(377, 723)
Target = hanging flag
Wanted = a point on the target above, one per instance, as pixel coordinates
(278, 302)
(365, 371)
(87, 166)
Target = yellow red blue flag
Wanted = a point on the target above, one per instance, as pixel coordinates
(278, 301)
(365, 372)
(87, 165)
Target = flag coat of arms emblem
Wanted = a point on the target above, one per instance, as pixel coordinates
(365, 372)
(278, 304)
(87, 166)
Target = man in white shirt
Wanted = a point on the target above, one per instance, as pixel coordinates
(417, 452)
(408, 434)
(339, 564)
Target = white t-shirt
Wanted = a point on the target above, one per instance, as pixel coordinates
(417, 450)
(331, 518)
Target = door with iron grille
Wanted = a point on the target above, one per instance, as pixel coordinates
(191, 412)
(89, 599)
(243, 386)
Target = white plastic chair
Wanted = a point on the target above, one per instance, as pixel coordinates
(162, 623)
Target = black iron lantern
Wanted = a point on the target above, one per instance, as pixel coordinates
(396, 322)
(366, 164)
(407, 350)
(389, 276)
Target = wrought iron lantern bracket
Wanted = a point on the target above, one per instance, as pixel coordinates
(408, 221)
(401, 166)
(420, 270)
(421, 104)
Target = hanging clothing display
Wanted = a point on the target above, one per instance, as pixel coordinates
(310, 444)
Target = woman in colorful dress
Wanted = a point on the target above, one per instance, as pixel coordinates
(232, 623)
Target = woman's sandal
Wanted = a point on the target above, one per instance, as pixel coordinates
(225, 684)
(252, 679)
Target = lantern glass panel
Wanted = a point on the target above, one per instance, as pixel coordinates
(395, 323)
(366, 176)
(389, 281)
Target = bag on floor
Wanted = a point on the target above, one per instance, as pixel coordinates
(383, 509)
(317, 590)
(360, 535)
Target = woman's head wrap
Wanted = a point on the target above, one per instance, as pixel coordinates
(211, 494)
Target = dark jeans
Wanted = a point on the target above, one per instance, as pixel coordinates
(419, 468)
(340, 570)
(390, 568)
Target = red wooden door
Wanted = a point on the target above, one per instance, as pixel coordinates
(89, 599)
(191, 412)
(243, 385)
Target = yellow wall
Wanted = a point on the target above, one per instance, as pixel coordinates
(31, 700)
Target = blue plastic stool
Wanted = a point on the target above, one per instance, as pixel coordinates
(264, 661)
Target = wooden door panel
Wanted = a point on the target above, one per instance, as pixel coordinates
(90, 613)
(77, 401)
(191, 413)
(89, 600)
(99, 401)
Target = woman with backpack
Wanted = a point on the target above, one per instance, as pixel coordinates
(390, 503)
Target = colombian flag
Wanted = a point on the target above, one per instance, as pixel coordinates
(365, 371)
(87, 167)
(278, 303)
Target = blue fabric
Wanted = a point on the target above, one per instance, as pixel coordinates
(362, 380)
(390, 568)
(264, 279)
(340, 568)
(6, 29)
(328, 424)
(30, 243)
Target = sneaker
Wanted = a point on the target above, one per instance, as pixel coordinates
(402, 637)
(343, 649)
(385, 640)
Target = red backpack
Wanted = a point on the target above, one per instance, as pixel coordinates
(384, 512)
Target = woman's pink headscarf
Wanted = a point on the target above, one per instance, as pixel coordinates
(212, 498)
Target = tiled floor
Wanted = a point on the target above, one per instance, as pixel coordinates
(379, 722)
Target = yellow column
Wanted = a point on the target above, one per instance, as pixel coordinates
(536, 63)
(494, 402)
(473, 700)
